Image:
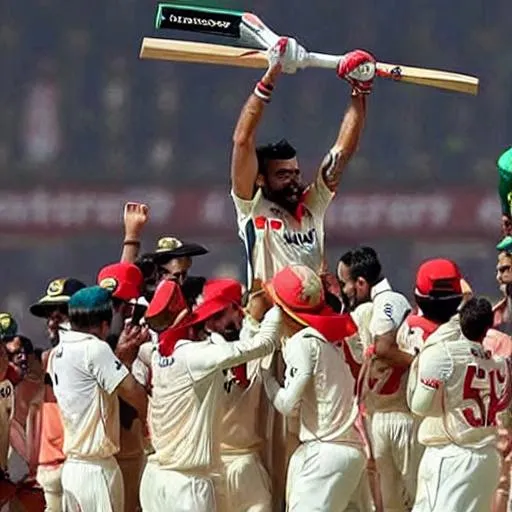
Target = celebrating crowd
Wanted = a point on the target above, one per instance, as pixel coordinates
(302, 389)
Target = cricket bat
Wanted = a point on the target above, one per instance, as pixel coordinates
(207, 53)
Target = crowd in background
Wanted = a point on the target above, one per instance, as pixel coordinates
(79, 106)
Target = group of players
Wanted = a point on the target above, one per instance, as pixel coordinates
(310, 390)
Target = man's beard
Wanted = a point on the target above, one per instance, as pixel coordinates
(231, 333)
(287, 197)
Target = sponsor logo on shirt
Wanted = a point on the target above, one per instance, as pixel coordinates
(165, 362)
(300, 239)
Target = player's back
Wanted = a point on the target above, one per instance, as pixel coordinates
(477, 390)
(327, 410)
(184, 413)
(90, 415)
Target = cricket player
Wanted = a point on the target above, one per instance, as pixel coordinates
(460, 390)
(326, 472)
(242, 443)
(48, 430)
(7, 488)
(384, 377)
(438, 294)
(280, 220)
(186, 405)
(88, 378)
(124, 281)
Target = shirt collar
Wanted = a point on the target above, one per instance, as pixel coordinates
(381, 286)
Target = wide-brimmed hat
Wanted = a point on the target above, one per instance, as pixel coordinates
(218, 295)
(58, 293)
(167, 307)
(123, 280)
(300, 293)
(170, 247)
(439, 278)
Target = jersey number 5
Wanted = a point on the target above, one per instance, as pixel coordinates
(477, 383)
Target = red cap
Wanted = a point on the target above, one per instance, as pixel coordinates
(299, 291)
(438, 275)
(123, 280)
(218, 295)
(167, 306)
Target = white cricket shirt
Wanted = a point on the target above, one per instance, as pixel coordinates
(241, 405)
(476, 388)
(85, 374)
(186, 405)
(6, 414)
(274, 238)
(318, 382)
(385, 387)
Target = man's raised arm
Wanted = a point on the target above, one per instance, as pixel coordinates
(357, 68)
(244, 163)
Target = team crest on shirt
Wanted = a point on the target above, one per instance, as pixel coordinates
(388, 310)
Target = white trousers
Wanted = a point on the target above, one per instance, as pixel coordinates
(326, 477)
(162, 490)
(248, 483)
(397, 455)
(50, 479)
(452, 478)
(92, 486)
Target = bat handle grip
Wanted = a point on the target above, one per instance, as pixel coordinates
(322, 60)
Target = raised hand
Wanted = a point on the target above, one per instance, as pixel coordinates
(135, 217)
(358, 69)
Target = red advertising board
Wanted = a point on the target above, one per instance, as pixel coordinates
(203, 212)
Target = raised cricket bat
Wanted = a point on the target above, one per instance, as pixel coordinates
(207, 53)
(245, 26)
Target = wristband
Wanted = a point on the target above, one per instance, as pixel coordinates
(263, 91)
(131, 242)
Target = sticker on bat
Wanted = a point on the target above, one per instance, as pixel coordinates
(195, 19)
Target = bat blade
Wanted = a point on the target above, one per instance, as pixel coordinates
(429, 77)
(206, 53)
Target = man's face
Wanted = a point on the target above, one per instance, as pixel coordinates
(356, 291)
(53, 321)
(504, 272)
(227, 323)
(176, 269)
(283, 183)
(16, 353)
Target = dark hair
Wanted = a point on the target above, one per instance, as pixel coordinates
(28, 346)
(476, 318)
(439, 309)
(192, 288)
(363, 262)
(85, 321)
(334, 302)
(281, 150)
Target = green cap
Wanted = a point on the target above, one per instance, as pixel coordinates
(505, 244)
(505, 181)
(92, 299)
